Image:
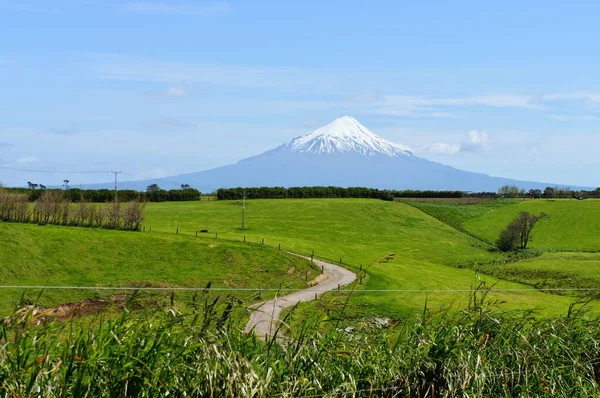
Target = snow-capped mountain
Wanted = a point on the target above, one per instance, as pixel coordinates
(343, 153)
(345, 135)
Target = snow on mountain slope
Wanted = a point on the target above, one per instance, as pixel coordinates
(345, 134)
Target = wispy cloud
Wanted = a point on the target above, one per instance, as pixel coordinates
(25, 160)
(586, 96)
(439, 148)
(6, 145)
(175, 8)
(171, 92)
(476, 141)
(574, 118)
(62, 131)
(438, 106)
(166, 124)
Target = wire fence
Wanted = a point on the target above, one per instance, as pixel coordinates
(283, 289)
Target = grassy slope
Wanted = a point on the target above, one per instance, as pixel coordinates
(573, 225)
(563, 270)
(361, 232)
(50, 255)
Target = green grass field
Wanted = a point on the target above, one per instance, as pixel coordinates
(572, 225)
(401, 247)
(70, 256)
(361, 232)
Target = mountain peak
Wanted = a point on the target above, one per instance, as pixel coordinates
(346, 135)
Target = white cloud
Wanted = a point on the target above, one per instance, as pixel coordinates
(175, 8)
(477, 140)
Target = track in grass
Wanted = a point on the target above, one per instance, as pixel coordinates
(264, 320)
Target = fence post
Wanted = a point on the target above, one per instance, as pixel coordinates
(340, 261)
(361, 268)
(263, 241)
(177, 233)
(316, 298)
(196, 234)
(151, 228)
(322, 269)
(338, 286)
(244, 239)
(280, 246)
(144, 228)
(216, 235)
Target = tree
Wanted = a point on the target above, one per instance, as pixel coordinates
(42, 186)
(509, 191)
(185, 186)
(30, 185)
(518, 233)
(153, 188)
(534, 193)
(548, 192)
(66, 184)
(133, 215)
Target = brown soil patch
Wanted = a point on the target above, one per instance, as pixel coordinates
(37, 316)
(291, 270)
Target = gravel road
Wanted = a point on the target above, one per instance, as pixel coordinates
(263, 320)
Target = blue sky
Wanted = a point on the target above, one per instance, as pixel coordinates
(157, 88)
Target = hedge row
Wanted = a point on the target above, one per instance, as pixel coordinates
(328, 192)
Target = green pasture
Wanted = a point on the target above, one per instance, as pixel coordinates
(401, 247)
(73, 256)
(571, 225)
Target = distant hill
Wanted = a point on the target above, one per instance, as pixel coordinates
(343, 153)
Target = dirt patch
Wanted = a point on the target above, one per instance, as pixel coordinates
(318, 280)
(37, 316)
(291, 270)
(213, 246)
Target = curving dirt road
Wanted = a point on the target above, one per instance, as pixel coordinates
(263, 320)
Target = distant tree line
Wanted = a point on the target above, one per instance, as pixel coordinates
(512, 191)
(55, 207)
(76, 195)
(328, 192)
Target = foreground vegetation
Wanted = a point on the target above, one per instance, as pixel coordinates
(479, 351)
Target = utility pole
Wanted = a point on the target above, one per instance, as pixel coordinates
(116, 173)
(243, 210)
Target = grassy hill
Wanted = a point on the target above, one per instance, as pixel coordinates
(400, 246)
(572, 224)
(70, 256)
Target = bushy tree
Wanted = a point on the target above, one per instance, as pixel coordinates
(517, 234)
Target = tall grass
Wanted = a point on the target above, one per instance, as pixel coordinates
(202, 351)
